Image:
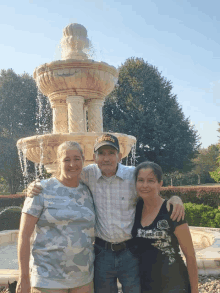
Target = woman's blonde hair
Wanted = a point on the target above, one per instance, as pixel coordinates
(67, 145)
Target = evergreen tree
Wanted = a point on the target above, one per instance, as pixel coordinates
(143, 105)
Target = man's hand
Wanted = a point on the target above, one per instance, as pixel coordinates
(34, 188)
(178, 208)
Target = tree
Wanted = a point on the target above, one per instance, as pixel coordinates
(216, 174)
(18, 94)
(180, 178)
(206, 162)
(142, 105)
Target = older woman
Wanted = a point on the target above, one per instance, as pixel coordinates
(63, 215)
(158, 238)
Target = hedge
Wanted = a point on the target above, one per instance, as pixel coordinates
(202, 215)
(10, 219)
(7, 201)
(209, 195)
(195, 215)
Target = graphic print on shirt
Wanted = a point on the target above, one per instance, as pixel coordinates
(162, 239)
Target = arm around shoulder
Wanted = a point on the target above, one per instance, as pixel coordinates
(178, 208)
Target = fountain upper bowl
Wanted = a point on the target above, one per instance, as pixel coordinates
(87, 78)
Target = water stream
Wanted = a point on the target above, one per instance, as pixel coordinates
(8, 208)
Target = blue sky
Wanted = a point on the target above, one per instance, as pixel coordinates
(180, 37)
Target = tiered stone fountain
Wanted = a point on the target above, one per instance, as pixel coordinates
(76, 87)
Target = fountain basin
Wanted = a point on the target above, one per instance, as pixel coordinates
(43, 148)
(206, 242)
(86, 78)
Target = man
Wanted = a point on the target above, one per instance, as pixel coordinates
(113, 189)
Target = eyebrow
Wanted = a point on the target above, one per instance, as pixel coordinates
(73, 156)
(147, 178)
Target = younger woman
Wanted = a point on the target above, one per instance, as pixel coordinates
(162, 269)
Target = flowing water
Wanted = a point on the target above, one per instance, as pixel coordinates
(43, 126)
(8, 208)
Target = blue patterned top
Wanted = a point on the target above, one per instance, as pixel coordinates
(62, 252)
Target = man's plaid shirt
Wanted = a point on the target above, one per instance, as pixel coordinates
(115, 202)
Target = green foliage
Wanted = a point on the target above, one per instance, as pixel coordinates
(10, 219)
(215, 175)
(199, 195)
(206, 163)
(3, 186)
(18, 94)
(143, 105)
(180, 178)
(202, 215)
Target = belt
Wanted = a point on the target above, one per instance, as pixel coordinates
(113, 246)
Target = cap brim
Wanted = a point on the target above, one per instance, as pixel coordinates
(105, 143)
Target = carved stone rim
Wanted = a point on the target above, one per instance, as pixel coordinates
(86, 139)
(61, 137)
(77, 64)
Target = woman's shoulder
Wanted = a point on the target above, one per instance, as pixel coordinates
(173, 223)
(84, 188)
(49, 183)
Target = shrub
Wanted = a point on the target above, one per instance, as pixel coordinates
(202, 215)
(217, 219)
(10, 219)
(199, 195)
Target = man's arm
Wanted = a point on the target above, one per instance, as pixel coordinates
(178, 208)
(34, 188)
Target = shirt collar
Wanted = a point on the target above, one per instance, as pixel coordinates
(119, 172)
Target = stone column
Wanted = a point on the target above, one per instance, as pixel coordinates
(95, 120)
(75, 114)
(59, 116)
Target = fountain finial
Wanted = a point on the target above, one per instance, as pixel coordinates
(74, 41)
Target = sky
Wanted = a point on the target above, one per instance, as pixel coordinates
(179, 37)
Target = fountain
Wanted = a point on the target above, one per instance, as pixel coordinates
(76, 87)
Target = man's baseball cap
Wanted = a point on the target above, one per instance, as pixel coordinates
(106, 139)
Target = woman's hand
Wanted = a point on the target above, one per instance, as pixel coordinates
(23, 285)
(178, 208)
(34, 188)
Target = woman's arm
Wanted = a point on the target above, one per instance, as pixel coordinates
(185, 240)
(26, 229)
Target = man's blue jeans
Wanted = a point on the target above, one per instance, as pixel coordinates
(111, 265)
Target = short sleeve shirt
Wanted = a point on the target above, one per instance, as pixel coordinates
(161, 266)
(115, 201)
(62, 252)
